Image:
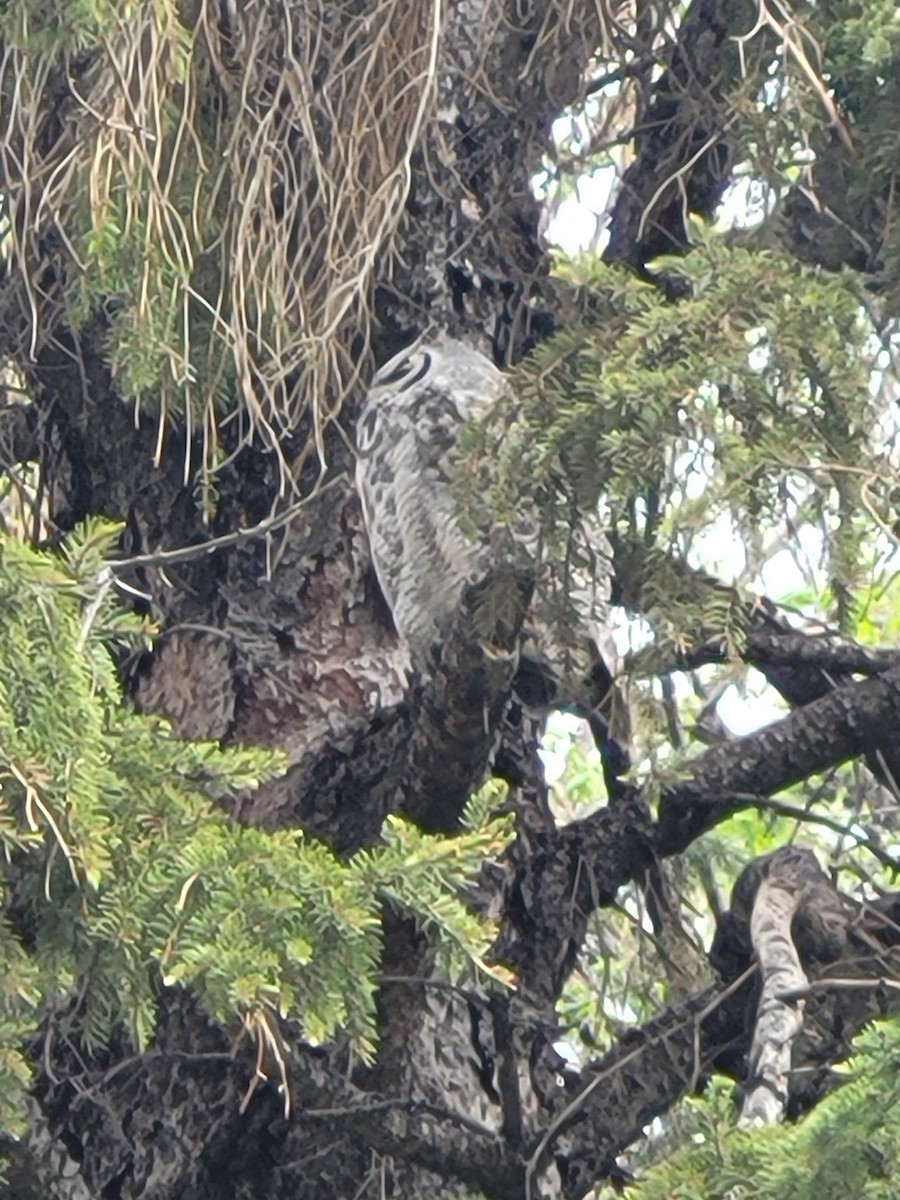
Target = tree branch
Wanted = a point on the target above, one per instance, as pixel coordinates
(18, 440)
(854, 720)
(801, 667)
(573, 872)
(768, 646)
(684, 159)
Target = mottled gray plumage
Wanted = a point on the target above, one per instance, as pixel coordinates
(408, 457)
(406, 461)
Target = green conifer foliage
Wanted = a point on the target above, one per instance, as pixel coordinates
(849, 1146)
(121, 871)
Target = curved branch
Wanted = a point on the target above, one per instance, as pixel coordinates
(778, 1019)
(684, 161)
(854, 720)
(770, 646)
(573, 872)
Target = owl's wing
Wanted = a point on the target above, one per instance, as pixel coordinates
(407, 462)
(408, 467)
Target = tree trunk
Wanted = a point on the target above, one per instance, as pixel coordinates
(273, 634)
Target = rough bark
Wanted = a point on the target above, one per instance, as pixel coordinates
(685, 151)
(279, 639)
(792, 877)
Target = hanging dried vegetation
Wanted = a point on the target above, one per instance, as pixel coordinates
(225, 180)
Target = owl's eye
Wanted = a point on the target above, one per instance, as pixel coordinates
(366, 430)
(403, 374)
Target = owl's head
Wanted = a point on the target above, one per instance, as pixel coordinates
(442, 365)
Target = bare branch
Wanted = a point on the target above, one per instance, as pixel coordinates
(582, 867)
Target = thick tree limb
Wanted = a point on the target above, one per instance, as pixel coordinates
(582, 867)
(801, 666)
(684, 156)
(792, 875)
(459, 712)
(854, 720)
(619, 1094)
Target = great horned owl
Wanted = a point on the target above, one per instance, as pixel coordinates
(408, 460)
